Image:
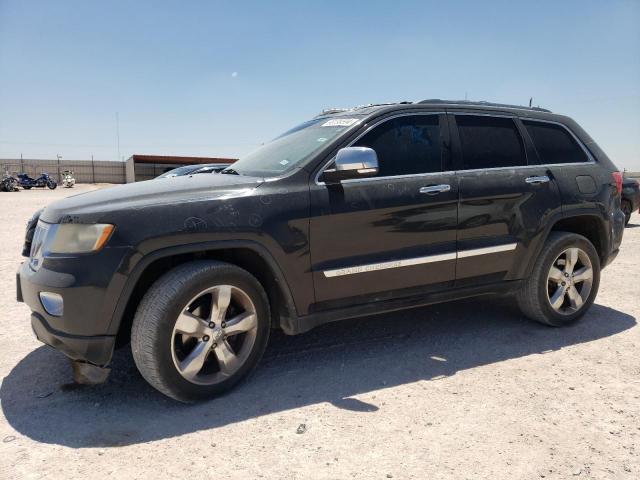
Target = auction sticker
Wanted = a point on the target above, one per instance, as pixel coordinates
(341, 122)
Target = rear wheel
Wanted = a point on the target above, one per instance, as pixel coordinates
(200, 329)
(564, 281)
(626, 209)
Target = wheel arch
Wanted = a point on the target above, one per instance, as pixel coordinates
(590, 225)
(248, 255)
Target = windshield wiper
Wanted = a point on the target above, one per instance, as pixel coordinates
(229, 171)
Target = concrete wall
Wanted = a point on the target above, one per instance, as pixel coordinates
(84, 171)
(87, 171)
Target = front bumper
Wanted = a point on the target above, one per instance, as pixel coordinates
(632, 195)
(82, 331)
(96, 350)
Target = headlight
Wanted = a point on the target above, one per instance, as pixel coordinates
(79, 238)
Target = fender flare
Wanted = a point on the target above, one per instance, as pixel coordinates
(289, 318)
(591, 212)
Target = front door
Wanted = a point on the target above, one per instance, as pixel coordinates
(395, 233)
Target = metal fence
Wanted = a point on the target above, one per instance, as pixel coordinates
(84, 171)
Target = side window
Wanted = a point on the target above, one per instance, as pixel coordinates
(554, 144)
(406, 145)
(489, 142)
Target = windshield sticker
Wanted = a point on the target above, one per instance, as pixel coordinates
(340, 122)
(284, 162)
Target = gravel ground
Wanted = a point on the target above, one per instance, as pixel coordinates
(460, 390)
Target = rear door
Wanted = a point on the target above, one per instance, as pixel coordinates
(579, 177)
(376, 238)
(506, 198)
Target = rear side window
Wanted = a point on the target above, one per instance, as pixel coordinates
(406, 145)
(554, 144)
(489, 142)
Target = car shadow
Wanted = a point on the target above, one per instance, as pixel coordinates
(332, 363)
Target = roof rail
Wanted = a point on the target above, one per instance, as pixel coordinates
(482, 104)
(331, 111)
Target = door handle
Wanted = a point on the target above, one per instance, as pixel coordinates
(435, 189)
(537, 179)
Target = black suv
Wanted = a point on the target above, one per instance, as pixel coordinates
(354, 212)
(630, 197)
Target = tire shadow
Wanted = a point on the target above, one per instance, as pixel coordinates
(329, 364)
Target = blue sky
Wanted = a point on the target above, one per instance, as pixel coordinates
(219, 78)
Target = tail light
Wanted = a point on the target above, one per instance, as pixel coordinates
(617, 180)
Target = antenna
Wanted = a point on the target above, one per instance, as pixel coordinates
(530, 101)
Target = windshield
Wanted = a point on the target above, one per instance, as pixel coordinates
(290, 149)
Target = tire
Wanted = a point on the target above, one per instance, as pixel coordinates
(27, 187)
(51, 185)
(627, 210)
(159, 348)
(539, 290)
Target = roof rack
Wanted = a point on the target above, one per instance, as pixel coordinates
(330, 111)
(482, 104)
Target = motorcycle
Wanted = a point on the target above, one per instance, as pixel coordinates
(44, 180)
(68, 179)
(8, 184)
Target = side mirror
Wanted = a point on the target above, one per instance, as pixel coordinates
(352, 162)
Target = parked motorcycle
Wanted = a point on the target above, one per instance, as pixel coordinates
(8, 184)
(44, 180)
(68, 179)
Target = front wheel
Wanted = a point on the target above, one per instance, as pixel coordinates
(564, 281)
(200, 329)
(51, 185)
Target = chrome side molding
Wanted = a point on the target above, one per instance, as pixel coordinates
(371, 267)
(487, 250)
(441, 257)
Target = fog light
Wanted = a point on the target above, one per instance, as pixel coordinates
(52, 303)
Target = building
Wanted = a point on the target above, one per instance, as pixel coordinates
(146, 167)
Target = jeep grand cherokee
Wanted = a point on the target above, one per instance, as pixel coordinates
(351, 213)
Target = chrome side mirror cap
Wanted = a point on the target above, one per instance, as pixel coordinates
(352, 162)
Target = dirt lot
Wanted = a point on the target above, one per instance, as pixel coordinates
(462, 390)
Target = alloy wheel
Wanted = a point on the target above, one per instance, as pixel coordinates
(569, 281)
(214, 335)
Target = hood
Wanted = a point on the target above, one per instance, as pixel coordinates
(89, 207)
